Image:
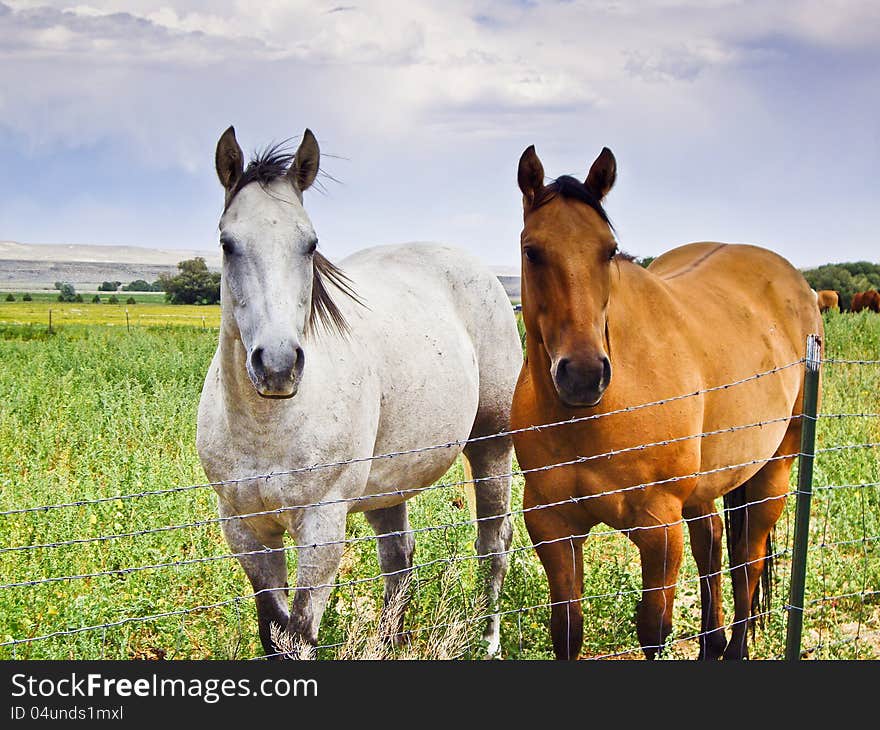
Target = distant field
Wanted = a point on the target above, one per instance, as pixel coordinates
(52, 296)
(151, 310)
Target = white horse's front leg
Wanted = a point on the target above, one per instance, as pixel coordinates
(319, 537)
(267, 571)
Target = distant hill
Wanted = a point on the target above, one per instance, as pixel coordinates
(38, 266)
(59, 253)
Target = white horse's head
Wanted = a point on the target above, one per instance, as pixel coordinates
(274, 281)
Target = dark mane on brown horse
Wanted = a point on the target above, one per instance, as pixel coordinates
(571, 188)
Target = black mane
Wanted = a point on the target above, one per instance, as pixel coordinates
(265, 166)
(271, 164)
(571, 188)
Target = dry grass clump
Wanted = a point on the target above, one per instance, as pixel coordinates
(450, 633)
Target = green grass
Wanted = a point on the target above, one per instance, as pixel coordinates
(92, 412)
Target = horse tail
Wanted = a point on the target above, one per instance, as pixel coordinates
(735, 524)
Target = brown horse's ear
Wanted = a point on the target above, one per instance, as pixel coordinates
(602, 175)
(530, 175)
(228, 159)
(304, 170)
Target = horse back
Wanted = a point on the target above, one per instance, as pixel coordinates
(441, 337)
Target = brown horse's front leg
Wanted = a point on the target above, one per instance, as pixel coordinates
(660, 547)
(563, 560)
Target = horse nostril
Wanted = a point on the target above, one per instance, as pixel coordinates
(562, 367)
(606, 371)
(298, 362)
(257, 361)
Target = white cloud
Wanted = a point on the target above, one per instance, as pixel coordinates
(427, 87)
(394, 65)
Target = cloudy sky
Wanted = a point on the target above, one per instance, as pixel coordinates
(731, 120)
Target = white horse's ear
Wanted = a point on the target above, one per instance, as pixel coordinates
(602, 175)
(228, 159)
(304, 170)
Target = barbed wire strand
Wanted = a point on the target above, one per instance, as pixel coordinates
(255, 594)
(281, 510)
(422, 449)
(120, 572)
(399, 492)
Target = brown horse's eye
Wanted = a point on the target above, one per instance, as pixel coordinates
(612, 254)
(532, 254)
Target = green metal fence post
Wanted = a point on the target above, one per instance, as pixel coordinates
(804, 496)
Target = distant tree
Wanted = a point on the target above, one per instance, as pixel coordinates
(58, 285)
(195, 284)
(109, 285)
(27, 297)
(78, 298)
(845, 278)
(10, 297)
(157, 285)
(96, 299)
(131, 300)
(138, 285)
(68, 293)
(113, 299)
(645, 261)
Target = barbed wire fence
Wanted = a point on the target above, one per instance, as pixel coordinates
(838, 616)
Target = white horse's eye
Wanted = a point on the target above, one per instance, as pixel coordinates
(312, 246)
(228, 245)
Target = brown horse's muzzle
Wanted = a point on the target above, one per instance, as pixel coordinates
(581, 381)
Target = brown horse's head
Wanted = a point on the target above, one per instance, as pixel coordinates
(568, 246)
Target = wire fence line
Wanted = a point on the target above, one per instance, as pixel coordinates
(445, 485)
(257, 477)
(421, 449)
(865, 541)
(417, 629)
(116, 572)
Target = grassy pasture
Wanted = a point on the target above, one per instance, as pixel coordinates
(95, 412)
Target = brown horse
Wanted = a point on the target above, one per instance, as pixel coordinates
(604, 334)
(827, 299)
(869, 300)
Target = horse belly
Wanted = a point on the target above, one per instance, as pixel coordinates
(759, 415)
(432, 402)
(728, 462)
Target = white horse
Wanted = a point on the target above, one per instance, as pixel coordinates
(413, 345)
